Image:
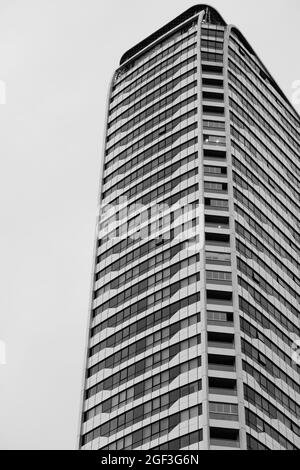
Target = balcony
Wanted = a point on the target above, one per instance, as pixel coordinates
(221, 362)
(220, 340)
(222, 386)
(223, 437)
(219, 318)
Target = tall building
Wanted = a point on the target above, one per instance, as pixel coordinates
(195, 298)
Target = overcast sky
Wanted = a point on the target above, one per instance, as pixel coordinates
(56, 58)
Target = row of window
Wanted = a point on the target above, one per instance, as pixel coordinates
(214, 140)
(212, 257)
(144, 365)
(154, 298)
(259, 82)
(212, 83)
(270, 410)
(151, 123)
(212, 33)
(141, 412)
(265, 133)
(216, 203)
(211, 110)
(215, 170)
(218, 239)
(256, 423)
(159, 146)
(160, 216)
(284, 254)
(215, 187)
(138, 253)
(218, 276)
(257, 162)
(264, 187)
(249, 254)
(265, 107)
(146, 168)
(260, 134)
(268, 306)
(210, 69)
(211, 57)
(244, 184)
(265, 286)
(253, 353)
(264, 155)
(158, 67)
(209, 44)
(142, 250)
(217, 221)
(256, 85)
(149, 341)
(213, 96)
(181, 442)
(154, 83)
(151, 281)
(154, 430)
(214, 154)
(158, 93)
(141, 269)
(272, 390)
(227, 411)
(124, 77)
(142, 204)
(136, 348)
(147, 321)
(256, 315)
(154, 108)
(261, 216)
(254, 333)
(214, 125)
(153, 179)
(261, 118)
(219, 317)
(140, 389)
(136, 225)
(254, 444)
(249, 59)
(149, 138)
(178, 231)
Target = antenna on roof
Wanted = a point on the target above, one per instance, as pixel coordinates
(207, 16)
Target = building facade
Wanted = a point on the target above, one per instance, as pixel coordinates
(195, 299)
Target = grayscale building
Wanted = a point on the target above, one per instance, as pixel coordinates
(195, 297)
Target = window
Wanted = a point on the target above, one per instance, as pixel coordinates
(213, 110)
(224, 437)
(216, 203)
(227, 411)
(218, 258)
(219, 296)
(219, 239)
(215, 187)
(212, 69)
(214, 140)
(219, 317)
(218, 276)
(262, 359)
(215, 170)
(212, 83)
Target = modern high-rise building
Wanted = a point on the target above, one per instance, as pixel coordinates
(195, 301)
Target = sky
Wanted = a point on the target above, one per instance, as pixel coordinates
(56, 60)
